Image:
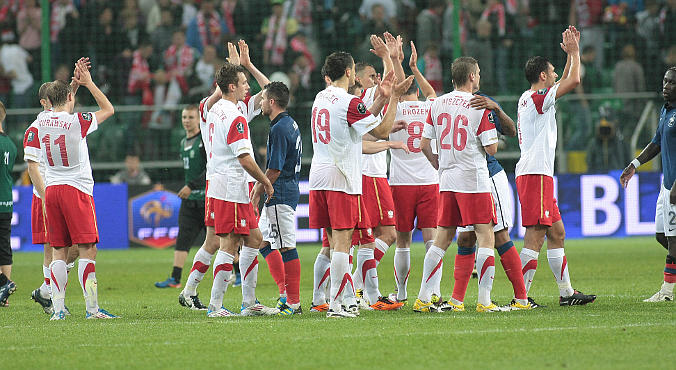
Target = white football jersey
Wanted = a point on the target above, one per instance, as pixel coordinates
(62, 139)
(536, 123)
(248, 108)
(412, 168)
(207, 136)
(461, 133)
(373, 165)
(33, 153)
(230, 139)
(339, 120)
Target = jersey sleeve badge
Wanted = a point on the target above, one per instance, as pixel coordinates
(361, 108)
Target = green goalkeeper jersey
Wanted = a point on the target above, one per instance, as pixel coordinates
(194, 165)
(8, 152)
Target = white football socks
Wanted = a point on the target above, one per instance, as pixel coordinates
(366, 263)
(45, 288)
(436, 280)
(431, 270)
(402, 268)
(340, 277)
(321, 277)
(222, 272)
(200, 265)
(485, 266)
(248, 264)
(86, 273)
(59, 280)
(529, 263)
(559, 265)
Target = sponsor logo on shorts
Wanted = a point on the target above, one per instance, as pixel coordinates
(546, 213)
(242, 222)
(390, 214)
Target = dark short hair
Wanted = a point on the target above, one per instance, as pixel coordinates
(191, 107)
(352, 89)
(535, 66)
(358, 67)
(336, 64)
(461, 69)
(42, 91)
(57, 93)
(671, 69)
(278, 92)
(228, 74)
(412, 89)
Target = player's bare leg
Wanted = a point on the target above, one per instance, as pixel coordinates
(385, 237)
(200, 264)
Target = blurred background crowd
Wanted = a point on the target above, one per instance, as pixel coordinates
(164, 53)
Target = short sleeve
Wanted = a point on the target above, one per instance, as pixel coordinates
(359, 118)
(88, 123)
(31, 145)
(544, 99)
(657, 140)
(278, 148)
(204, 109)
(238, 137)
(486, 131)
(429, 131)
(249, 107)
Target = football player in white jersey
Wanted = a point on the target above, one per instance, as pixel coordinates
(535, 169)
(250, 108)
(234, 219)
(69, 185)
(339, 120)
(464, 135)
(414, 182)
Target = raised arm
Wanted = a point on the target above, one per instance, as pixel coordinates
(383, 52)
(106, 109)
(425, 87)
(396, 54)
(245, 61)
(73, 83)
(571, 46)
(383, 130)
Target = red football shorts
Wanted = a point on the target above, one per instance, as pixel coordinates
(208, 208)
(462, 209)
(71, 215)
(233, 217)
(38, 222)
(538, 206)
(336, 210)
(411, 201)
(377, 198)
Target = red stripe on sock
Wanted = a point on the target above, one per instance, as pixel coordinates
(668, 276)
(222, 267)
(90, 268)
(531, 265)
(251, 267)
(276, 267)
(47, 281)
(437, 267)
(292, 278)
(490, 261)
(368, 264)
(462, 272)
(199, 266)
(326, 276)
(511, 263)
(54, 280)
(347, 277)
(563, 267)
(378, 254)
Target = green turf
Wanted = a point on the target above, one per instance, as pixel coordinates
(618, 330)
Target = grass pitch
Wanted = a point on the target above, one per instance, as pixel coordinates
(617, 331)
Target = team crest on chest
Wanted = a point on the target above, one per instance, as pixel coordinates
(671, 121)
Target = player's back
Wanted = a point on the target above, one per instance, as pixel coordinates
(412, 168)
(63, 141)
(339, 120)
(461, 133)
(537, 131)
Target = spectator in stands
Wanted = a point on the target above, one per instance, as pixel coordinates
(586, 16)
(14, 60)
(161, 37)
(133, 173)
(207, 28)
(276, 30)
(607, 151)
(389, 7)
(29, 26)
(628, 77)
(188, 12)
(300, 77)
(668, 20)
(579, 107)
(479, 47)
(429, 30)
(155, 15)
(108, 42)
(58, 16)
(430, 66)
(8, 10)
(138, 90)
(132, 31)
(179, 59)
(205, 68)
(648, 32)
(378, 23)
